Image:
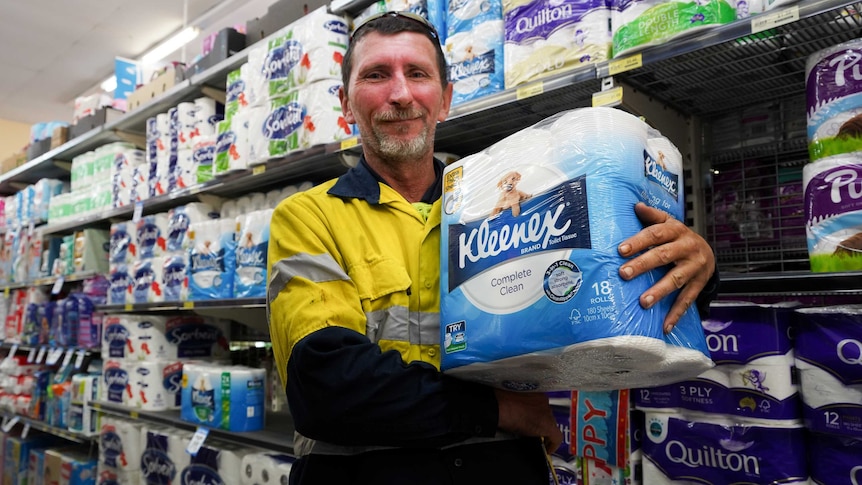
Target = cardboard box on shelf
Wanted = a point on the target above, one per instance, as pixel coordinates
(153, 89)
(59, 136)
(100, 117)
(12, 161)
(38, 148)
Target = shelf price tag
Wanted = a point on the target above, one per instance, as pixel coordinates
(79, 361)
(139, 211)
(768, 21)
(128, 307)
(530, 91)
(133, 414)
(258, 170)
(197, 441)
(611, 97)
(10, 424)
(31, 356)
(58, 285)
(6, 292)
(188, 305)
(41, 355)
(625, 64)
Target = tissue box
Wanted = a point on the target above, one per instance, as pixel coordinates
(152, 89)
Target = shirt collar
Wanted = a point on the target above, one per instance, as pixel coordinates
(361, 182)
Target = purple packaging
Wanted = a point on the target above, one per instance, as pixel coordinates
(834, 459)
(720, 453)
(739, 332)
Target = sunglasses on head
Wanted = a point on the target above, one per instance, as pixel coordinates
(404, 15)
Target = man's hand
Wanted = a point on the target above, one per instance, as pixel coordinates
(667, 241)
(528, 414)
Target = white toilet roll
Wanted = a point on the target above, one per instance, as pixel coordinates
(156, 384)
(120, 444)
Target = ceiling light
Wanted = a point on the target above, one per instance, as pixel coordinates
(172, 44)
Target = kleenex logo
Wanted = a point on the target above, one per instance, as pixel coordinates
(557, 219)
(655, 172)
(483, 64)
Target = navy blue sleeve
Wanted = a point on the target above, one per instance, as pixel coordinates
(342, 389)
(709, 292)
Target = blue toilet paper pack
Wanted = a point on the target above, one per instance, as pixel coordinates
(531, 297)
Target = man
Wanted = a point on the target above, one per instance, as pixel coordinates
(354, 295)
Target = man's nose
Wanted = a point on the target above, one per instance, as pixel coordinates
(399, 92)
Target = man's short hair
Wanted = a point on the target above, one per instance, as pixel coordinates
(392, 23)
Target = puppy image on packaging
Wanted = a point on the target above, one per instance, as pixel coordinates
(510, 196)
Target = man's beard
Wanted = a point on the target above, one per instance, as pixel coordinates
(398, 150)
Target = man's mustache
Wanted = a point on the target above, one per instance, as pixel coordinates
(400, 115)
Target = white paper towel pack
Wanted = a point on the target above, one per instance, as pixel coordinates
(547, 37)
(683, 451)
(530, 232)
(296, 121)
(641, 23)
(833, 212)
(306, 51)
(120, 444)
(834, 100)
(829, 359)
(251, 253)
(212, 259)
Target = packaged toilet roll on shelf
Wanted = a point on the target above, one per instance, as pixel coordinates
(178, 337)
(308, 50)
(156, 384)
(232, 148)
(475, 60)
(212, 259)
(251, 252)
(547, 37)
(530, 233)
(203, 156)
(834, 100)
(259, 468)
(682, 451)
(739, 332)
(150, 234)
(116, 382)
(120, 279)
(216, 462)
(297, 121)
(179, 220)
(229, 398)
(642, 23)
(120, 444)
(834, 459)
(148, 280)
(164, 454)
(175, 282)
(829, 359)
(833, 212)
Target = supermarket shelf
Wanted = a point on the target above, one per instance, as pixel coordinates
(791, 283)
(30, 423)
(276, 436)
(51, 355)
(51, 280)
(184, 305)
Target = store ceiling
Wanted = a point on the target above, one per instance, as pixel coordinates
(56, 50)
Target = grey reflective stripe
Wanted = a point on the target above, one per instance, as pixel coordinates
(315, 267)
(398, 323)
(305, 446)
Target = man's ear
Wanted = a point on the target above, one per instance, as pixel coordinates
(445, 103)
(345, 106)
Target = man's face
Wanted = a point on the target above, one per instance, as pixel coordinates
(395, 95)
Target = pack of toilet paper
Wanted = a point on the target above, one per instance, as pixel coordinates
(212, 259)
(216, 463)
(175, 281)
(120, 444)
(547, 37)
(308, 50)
(132, 337)
(232, 144)
(180, 218)
(258, 468)
(251, 252)
(155, 384)
(296, 121)
(163, 454)
(531, 297)
(230, 398)
(641, 23)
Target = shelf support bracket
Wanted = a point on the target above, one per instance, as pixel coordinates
(216, 94)
(67, 166)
